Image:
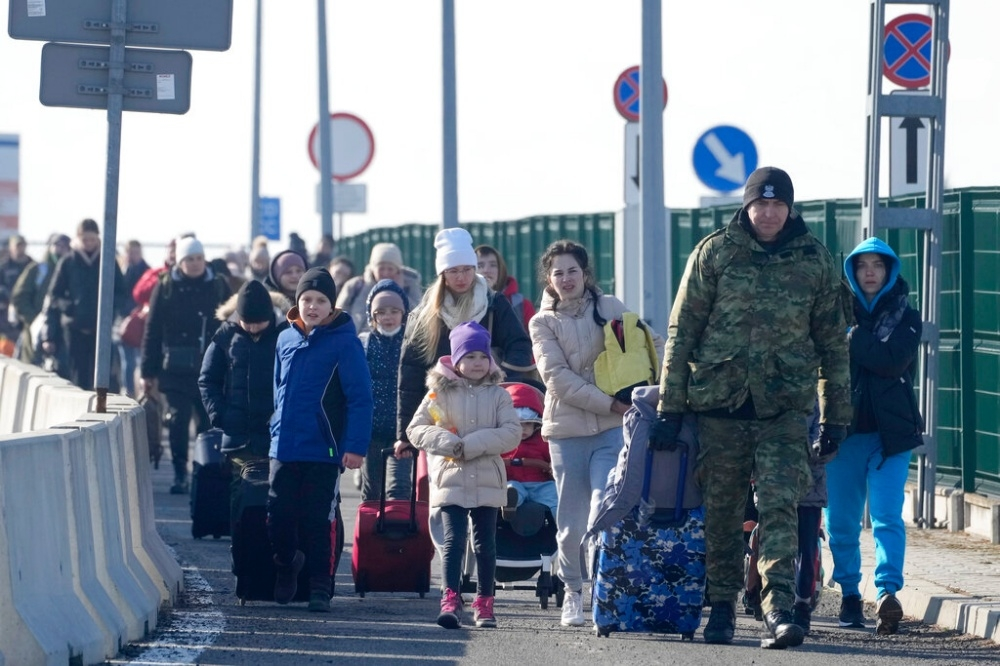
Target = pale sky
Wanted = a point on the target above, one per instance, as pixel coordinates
(537, 129)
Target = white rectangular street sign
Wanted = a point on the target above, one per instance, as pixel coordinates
(909, 146)
(347, 198)
(631, 183)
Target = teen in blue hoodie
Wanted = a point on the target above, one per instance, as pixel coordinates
(305, 456)
(874, 460)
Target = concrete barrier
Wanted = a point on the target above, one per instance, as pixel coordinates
(146, 543)
(42, 617)
(82, 568)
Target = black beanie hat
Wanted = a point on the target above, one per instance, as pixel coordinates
(253, 303)
(769, 183)
(317, 279)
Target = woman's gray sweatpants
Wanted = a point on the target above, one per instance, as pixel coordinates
(580, 466)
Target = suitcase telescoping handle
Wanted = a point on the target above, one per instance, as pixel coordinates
(681, 478)
(380, 522)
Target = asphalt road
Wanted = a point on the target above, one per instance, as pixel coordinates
(210, 627)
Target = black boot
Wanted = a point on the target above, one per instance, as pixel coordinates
(802, 615)
(180, 486)
(721, 623)
(319, 594)
(780, 631)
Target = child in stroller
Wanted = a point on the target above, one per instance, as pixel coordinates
(526, 531)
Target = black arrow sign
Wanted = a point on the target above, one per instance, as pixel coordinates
(912, 125)
(638, 147)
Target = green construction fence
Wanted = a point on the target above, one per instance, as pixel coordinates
(968, 434)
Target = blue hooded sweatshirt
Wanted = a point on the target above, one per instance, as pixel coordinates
(892, 267)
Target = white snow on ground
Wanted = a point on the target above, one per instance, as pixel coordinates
(191, 629)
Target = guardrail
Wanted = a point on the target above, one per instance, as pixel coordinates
(82, 569)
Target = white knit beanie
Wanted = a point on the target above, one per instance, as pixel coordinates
(454, 248)
(387, 253)
(186, 247)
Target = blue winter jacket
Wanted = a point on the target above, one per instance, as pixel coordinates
(304, 367)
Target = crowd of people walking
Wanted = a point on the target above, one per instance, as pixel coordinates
(315, 370)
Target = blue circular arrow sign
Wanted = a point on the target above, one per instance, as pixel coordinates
(723, 158)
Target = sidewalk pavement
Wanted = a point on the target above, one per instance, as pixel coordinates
(952, 579)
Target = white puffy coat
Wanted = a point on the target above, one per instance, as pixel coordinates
(464, 467)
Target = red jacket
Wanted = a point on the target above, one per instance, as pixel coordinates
(535, 447)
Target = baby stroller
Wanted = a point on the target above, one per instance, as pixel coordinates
(526, 545)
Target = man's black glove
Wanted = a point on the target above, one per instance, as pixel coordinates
(664, 431)
(830, 436)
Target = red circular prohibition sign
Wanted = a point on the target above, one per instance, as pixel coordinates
(901, 34)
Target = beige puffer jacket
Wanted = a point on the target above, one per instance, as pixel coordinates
(464, 467)
(566, 342)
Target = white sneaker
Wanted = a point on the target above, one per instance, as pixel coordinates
(572, 610)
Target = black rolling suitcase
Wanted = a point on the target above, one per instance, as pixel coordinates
(210, 479)
(253, 565)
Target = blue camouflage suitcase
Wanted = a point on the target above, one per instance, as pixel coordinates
(650, 565)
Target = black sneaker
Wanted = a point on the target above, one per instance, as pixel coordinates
(780, 631)
(852, 613)
(286, 579)
(509, 509)
(319, 602)
(889, 612)
(180, 487)
(721, 623)
(802, 615)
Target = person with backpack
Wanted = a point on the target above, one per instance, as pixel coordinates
(582, 423)
(237, 376)
(179, 327)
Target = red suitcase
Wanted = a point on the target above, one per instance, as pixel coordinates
(392, 543)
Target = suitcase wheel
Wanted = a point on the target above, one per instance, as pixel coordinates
(243, 602)
(359, 585)
(687, 635)
(602, 632)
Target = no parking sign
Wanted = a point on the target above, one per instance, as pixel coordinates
(907, 43)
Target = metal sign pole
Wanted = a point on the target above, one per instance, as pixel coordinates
(255, 169)
(106, 288)
(325, 134)
(656, 268)
(449, 111)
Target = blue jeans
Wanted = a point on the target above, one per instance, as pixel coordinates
(543, 492)
(858, 472)
(580, 466)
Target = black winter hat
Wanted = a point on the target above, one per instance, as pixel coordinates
(769, 183)
(253, 303)
(317, 279)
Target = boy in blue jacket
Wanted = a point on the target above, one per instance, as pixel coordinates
(305, 456)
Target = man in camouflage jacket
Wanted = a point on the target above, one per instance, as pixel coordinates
(756, 332)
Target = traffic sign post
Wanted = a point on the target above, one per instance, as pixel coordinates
(723, 158)
(632, 191)
(626, 94)
(118, 79)
(352, 142)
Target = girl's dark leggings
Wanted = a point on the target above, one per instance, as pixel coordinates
(810, 519)
(484, 541)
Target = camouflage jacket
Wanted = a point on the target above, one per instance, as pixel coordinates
(748, 322)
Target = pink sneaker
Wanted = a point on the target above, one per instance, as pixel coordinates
(451, 610)
(482, 612)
